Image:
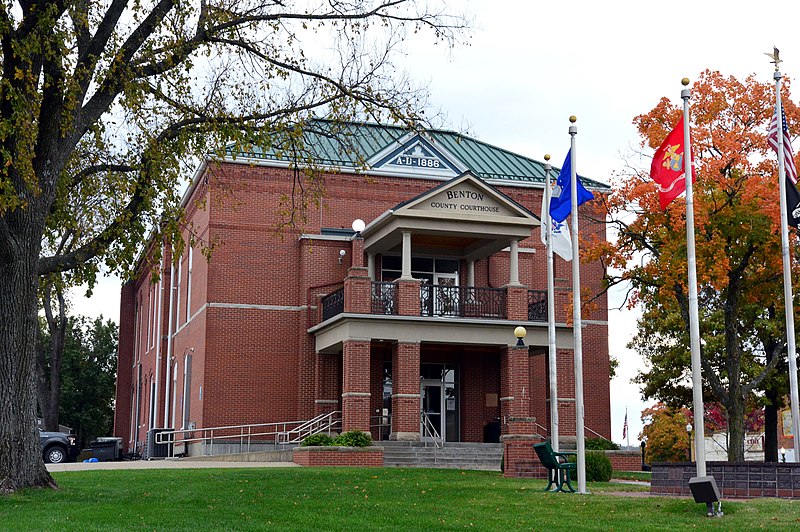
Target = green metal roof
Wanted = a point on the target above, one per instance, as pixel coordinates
(352, 144)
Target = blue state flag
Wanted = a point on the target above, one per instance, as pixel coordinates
(561, 202)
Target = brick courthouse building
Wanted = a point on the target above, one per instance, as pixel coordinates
(413, 314)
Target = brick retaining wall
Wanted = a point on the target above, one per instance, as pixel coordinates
(744, 480)
(620, 461)
(338, 456)
(625, 460)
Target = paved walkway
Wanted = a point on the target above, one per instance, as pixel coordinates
(160, 464)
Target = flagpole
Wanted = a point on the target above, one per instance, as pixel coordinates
(694, 321)
(551, 312)
(576, 313)
(791, 350)
(627, 429)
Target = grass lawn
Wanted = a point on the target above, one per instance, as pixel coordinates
(358, 499)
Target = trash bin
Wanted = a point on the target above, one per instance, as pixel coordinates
(106, 449)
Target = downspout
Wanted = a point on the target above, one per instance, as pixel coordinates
(167, 372)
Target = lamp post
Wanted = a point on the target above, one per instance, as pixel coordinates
(783, 454)
(689, 432)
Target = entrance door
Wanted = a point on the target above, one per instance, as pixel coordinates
(446, 297)
(432, 405)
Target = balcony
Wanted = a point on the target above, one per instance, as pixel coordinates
(462, 302)
(439, 301)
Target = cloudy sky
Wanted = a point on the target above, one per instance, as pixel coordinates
(530, 65)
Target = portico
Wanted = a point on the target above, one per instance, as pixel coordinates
(420, 309)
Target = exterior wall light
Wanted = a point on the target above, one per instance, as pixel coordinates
(520, 333)
(342, 253)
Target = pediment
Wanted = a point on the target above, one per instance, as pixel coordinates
(415, 154)
(466, 197)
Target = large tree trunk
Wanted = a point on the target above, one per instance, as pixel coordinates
(771, 427)
(48, 372)
(21, 462)
(735, 409)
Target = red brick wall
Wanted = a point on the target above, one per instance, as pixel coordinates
(125, 361)
(526, 467)
(625, 460)
(258, 364)
(338, 456)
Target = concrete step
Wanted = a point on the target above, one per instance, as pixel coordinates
(475, 456)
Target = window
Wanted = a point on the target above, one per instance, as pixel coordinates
(189, 286)
(424, 268)
(178, 296)
(152, 416)
(155, 290)
(137, 315)
(149, 339)
(187, 389)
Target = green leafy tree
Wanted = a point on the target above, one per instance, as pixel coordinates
(50, 345)
(737, 220)
(87, 376)
(104, 106)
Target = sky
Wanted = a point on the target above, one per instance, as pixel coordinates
(528, 66)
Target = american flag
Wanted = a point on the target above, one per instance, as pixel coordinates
(625, 425)
(788, 156)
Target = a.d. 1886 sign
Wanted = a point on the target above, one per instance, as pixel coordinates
(418, 157)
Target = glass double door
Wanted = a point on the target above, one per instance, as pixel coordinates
(439, 409)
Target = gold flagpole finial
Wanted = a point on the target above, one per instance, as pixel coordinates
(685, 82)
(546, 156)
(775, 55)
(573, 119)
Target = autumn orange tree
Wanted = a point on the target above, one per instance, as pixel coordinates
(738, 249)
(664, 430)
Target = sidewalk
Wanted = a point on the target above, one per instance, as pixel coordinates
(160, 464)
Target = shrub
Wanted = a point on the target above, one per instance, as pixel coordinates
(598, 467)
(600, 444)
(354, 438)
(317, 440)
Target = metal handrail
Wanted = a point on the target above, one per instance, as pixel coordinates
(383, 427)
(246, 433)
(597, 433)
(429, 430)
(321, 423)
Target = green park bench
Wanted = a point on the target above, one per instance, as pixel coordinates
(558, 466)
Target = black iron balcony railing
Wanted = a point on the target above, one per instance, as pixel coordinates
(333, 304)
(462, 301)
(442, 300)
(537, 305)
(384, 298)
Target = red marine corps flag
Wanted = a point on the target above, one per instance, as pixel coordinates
(667, 168)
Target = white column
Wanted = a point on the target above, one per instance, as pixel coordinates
(470, 273)
(371, 265)
(513, 269)
(406, 273)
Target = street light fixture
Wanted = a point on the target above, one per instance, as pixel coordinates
(689, 432)
(783, 454)
(520, 333)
